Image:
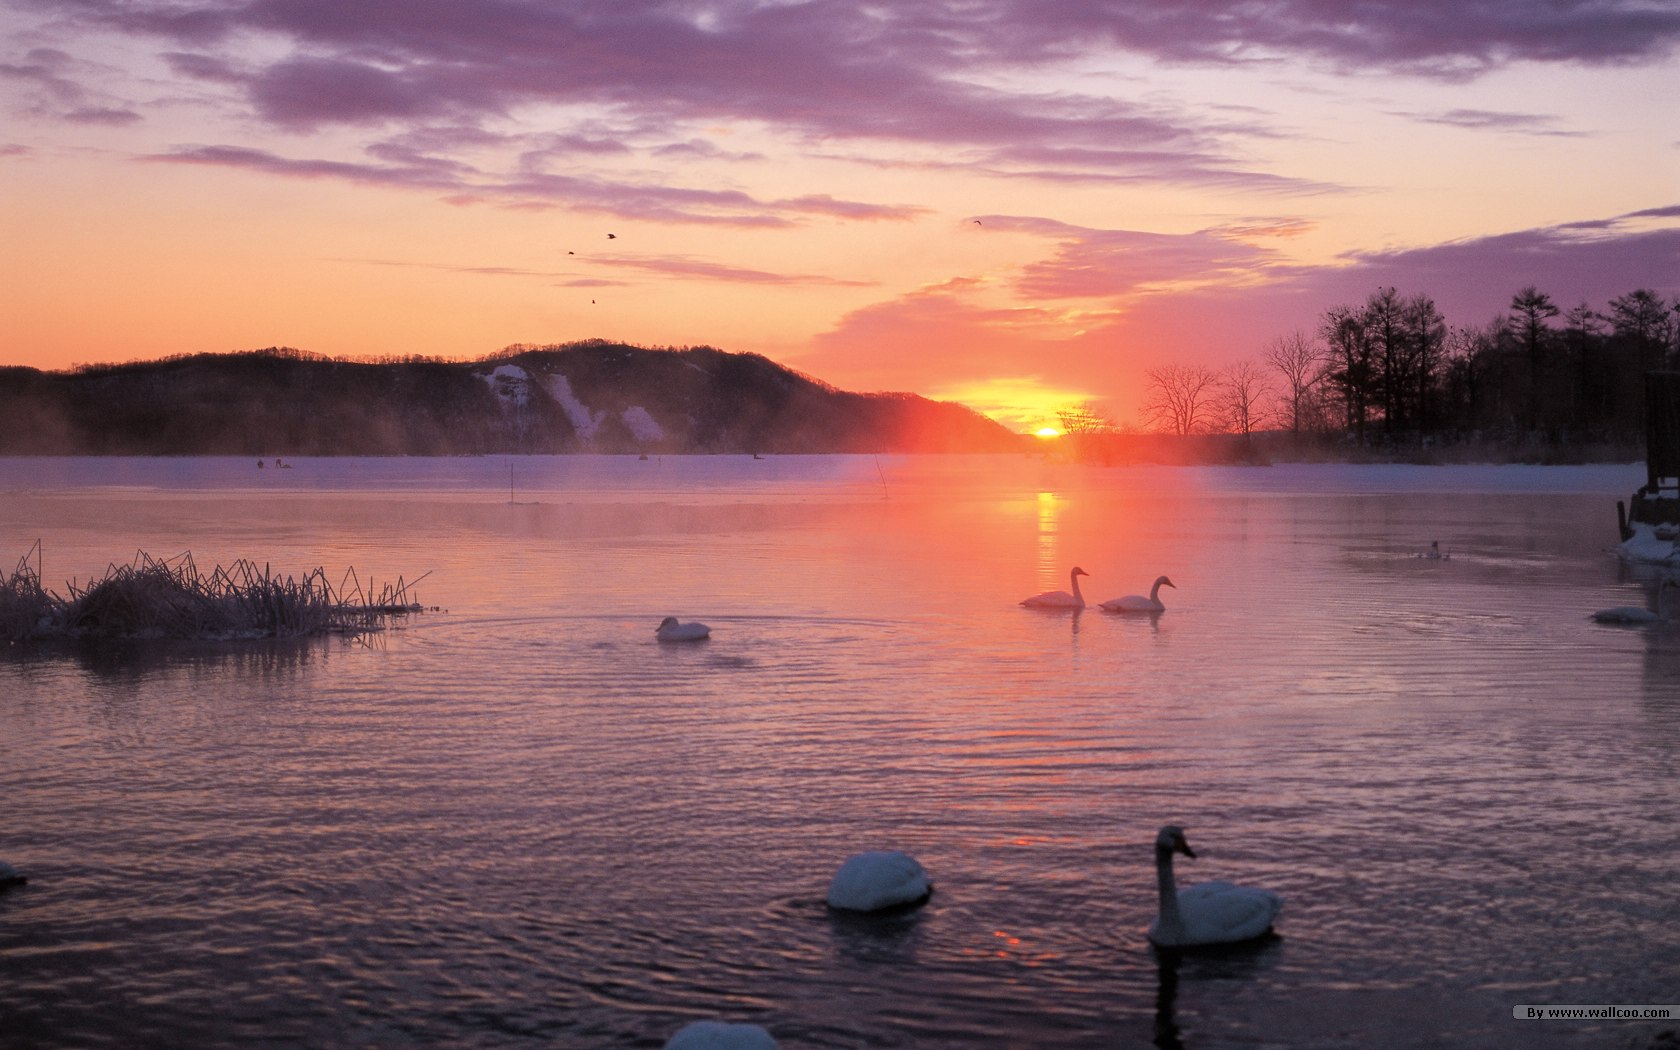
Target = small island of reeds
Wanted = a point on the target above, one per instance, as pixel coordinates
(172, 599)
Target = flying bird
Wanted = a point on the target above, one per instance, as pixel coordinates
(612, 236)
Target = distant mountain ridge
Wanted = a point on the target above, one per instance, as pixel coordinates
(591, 396)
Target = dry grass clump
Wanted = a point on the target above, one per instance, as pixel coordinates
(154, 598)
(25, 609)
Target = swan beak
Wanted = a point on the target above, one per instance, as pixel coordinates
(1182, 846)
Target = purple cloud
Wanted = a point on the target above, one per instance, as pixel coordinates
(44, 69)
(111, 118)
(408, 167)
(1491, 120)
(840, 70)
(837, 77)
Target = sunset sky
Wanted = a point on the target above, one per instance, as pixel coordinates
(1017, 204)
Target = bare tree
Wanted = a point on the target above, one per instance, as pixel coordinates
(1084, 417)
(1242, 388)
(1180, 397)
(1301, 365)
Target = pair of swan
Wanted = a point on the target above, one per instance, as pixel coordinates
(1131, 603)
(1208, 913)
(1204, 914)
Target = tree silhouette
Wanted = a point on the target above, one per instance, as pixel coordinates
(1180, 397)
(1302, 366)
(1530, 310)
(1242, 389)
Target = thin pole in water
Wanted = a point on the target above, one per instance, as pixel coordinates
(880, 475)
(510, 482)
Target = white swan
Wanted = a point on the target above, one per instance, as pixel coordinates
(10, 876)
(1060, 599)
(1638, 614)
(878, 880)
(1208, 912)
(720, 1035)
(671, 629)
(1137, 603)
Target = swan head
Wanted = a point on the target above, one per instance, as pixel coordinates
(1077, 571)
(666, 624)
(1162, 581)
(1169, 840)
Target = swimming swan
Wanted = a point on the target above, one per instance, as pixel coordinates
(1208, 912)
(1638, 614)
(671, 630)
(879, 880)
(1137, 603)
(1060, 599)
(720, 1035)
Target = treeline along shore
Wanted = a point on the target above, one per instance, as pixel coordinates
(1389, 379)
(592, 396)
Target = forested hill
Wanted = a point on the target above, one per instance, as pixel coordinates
(582, 397)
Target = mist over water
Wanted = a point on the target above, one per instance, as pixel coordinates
(519, 820)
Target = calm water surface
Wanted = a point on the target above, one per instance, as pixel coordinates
(519, 821)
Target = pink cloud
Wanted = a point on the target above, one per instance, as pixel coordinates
(1214, 297)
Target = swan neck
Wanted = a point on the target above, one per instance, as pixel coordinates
(1171, 920)
(1073, 578)
(1155, 592)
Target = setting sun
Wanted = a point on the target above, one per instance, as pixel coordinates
(1049, 432)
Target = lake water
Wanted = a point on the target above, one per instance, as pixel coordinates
(518, 820)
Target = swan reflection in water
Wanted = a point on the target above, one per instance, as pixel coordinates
(1166, 1000)
(1206, 969)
